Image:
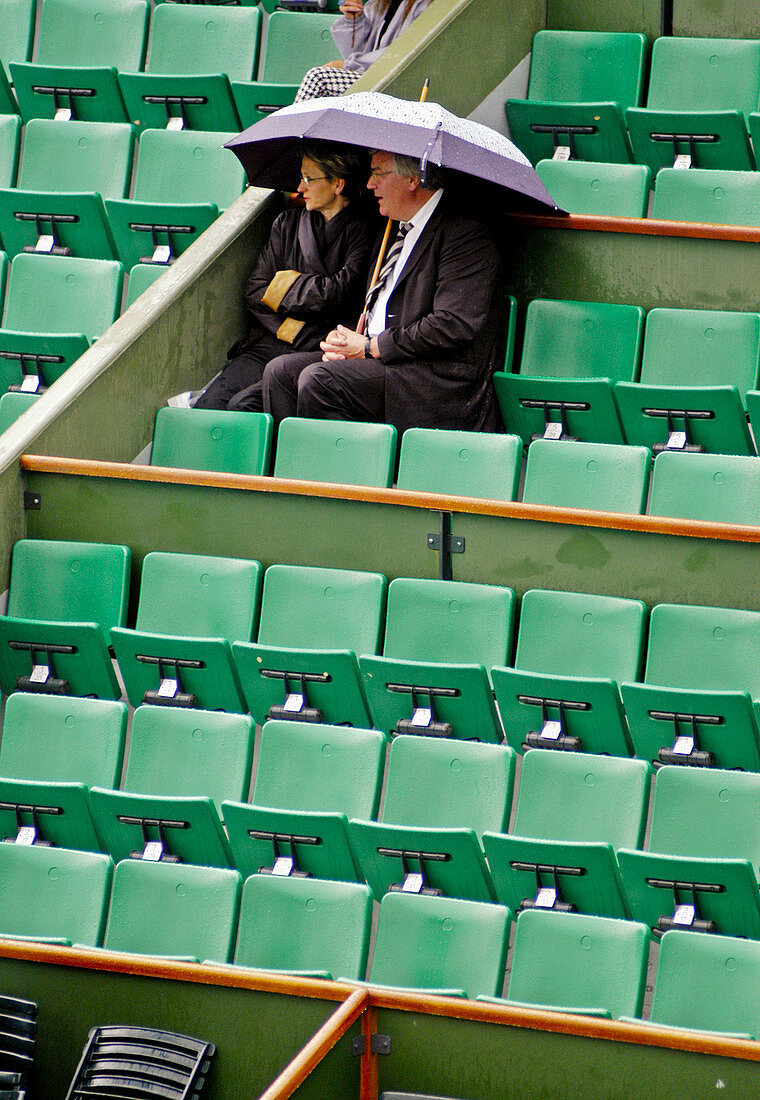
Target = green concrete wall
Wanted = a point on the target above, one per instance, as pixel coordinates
(716, 18)
(606, 15)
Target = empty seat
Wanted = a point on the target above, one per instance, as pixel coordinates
(441, 637)
(63, 599)
(10, 140)
(205, 439)
(335, 450)
(612, 190)
(704, 195)
(607, 477)
(573, 650)
(141, 277)
(18, 1031)
(718, 488)
(17, 30)
(573, 811)
(468, 464)
(697, 366)
(12, 405)
(572, 355)
(580, 83)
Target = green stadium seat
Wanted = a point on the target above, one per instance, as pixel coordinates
(310, 780)
(191, 607)
(313, 624)
(10, 141)
(580, 83)
(65, 172)
(308, 927)
(141, 277)
(440, 796)
(698, 872)
(63, 599)
(711, 196)
(701, 91)
(440, 945)
(188, 43)
(607, 477)
(181, 911)
(71, 300)
(12, 405)
(717, 488)
(610, 190)
(80, 47)
(466, 464)
(17, 31)
(573, 811)
(696, 369)
(695, 704)
(182, 183)
(206, 439)
(753, 409)
(336, 450)
(573, 353)
(573, 649)
(441, 637)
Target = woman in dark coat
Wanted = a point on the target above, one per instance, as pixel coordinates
(311, 272)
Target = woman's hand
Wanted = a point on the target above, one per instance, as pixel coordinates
(352, 7)
(334, 64)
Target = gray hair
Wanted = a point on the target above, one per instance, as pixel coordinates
(410, 168)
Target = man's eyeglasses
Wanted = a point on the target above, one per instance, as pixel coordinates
(310, 179)
(377, 174)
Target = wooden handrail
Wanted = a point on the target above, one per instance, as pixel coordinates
(650, 227)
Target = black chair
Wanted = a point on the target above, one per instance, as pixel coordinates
(136, 1062)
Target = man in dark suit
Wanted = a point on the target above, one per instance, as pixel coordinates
(433, 325)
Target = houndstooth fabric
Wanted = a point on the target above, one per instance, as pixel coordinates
(324, 80)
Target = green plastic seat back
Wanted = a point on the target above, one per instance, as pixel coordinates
(433, 783)
(255, 99)
(199, 596)
(570, 960)
(586, 187)
(336, 450)
(470, 464)
(12, 405)
(440, 943)
(704, 74)
(48, 737)
(706, 812)
(66, 294)
(580, 634)
(187, 166)
(582, 340)
(171, 909)
(84, 582)
(709, 195)
(587, 65)
(449, 621)
(578, 797)
(84, 156)
(331, 769)
(304, 925)
(10, 140)
(604, 476)
(54, 893)
(296, 41)
(719, 488)
(711, 347)
(709, 648)
(304, 607)
(206, 439)
(189, 752)
(84, 33)
(17, 30)
(186, 38)
(141, 277)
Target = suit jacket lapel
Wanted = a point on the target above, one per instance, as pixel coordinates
(421, 247)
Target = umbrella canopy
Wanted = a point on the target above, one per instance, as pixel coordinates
(269, 150)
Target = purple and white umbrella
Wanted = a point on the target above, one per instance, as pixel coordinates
(269, 150)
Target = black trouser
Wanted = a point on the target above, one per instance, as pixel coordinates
(239, 379)
(300, 384)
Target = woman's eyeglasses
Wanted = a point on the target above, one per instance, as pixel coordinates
(310, 179)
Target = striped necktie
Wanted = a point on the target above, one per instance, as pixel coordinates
(386, 271)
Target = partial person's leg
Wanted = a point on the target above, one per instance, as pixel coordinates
(343, 389)
(237, 375)
(251, 399)
(280, 382)
(325, 80)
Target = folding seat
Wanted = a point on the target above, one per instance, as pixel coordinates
(607, 477)
(573, 649)
(441, 637)
(695, 704)
(701, 91)
(307, 927)
(12, 405)
(573, 811)
(206, 439)
(753, 409)
(717, 488)
(467, 464)
(716, 197)
(336, 450)
(696, 368)
(580, 83)
(440, 797)
(63, 599)
(71, 301)
(65, 173)
(314, 622)
(440, 945)
(141, 276)
(610, 190)
(698, 872)
(124, 1062)
(187, 43)
(570, 962)
(10, 141)
(295, 41)
(572, 355)
(181, 765)
(18, 1032)
(80, 47)
(309, 781)
(17, 22)
(191, 607)
(182, 183)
